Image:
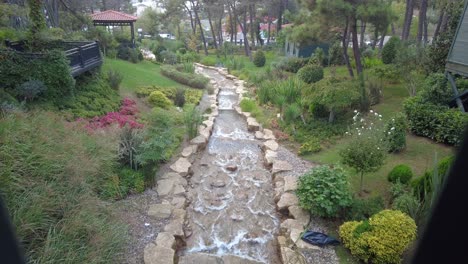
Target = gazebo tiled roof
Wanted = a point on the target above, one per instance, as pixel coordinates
(113, 16)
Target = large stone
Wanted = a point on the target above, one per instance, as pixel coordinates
(271, 145)
(289, 224)
(181, 166)
(199, 258)
(175, 227)
(295, 235)
(205, 132)
(252, 124)
(259, 135)
(278, 193)
(188, 151)
(178, 202)
(175, 177)
(268, 134)
(160, 211)
(279, 166)
(200, 141)
(281, 241)
(178, 189)
(165, 239)
(290, 183)
(165, 187)
(158, 255)
(287, 200)
(270, 156)
(208, 123)
(299, 214)
(179, 214)
(290, 256)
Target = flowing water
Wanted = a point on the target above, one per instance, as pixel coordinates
(232, 211)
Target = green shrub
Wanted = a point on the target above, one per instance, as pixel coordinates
(389, 51)
(311, 73)
(259, 59)
(401, 173)
(235, 63)
(335, 54)
(264, 92)
(398, 188)
(93, 97)
(114, 78)
(375, 89)
(192, 119)
(179, 99)
(192, 80)
(312, 145)
(382, 239)
(129, 144)
(435, 121)
(158, 99)
(369, 63)
(168, 57)
(208, 61)
(407, 203)
(318, 56)
(324, 191)
(362, 209)
(52, 69)
(247, 105)
(131, 181)
(31, 89)
(423, 184)
(193, 96)
(436, 90)
(52, 178)
(395, 133)
(291, 113)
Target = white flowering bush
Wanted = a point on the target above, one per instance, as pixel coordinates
(367, 149)
(395, 133)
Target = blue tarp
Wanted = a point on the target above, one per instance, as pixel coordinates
(319, 239)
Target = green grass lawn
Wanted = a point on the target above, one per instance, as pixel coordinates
(136, 75)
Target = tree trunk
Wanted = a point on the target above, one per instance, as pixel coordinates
(363, 30)
(252, 24)
(280, 17)
(244, 33)
(439, 23)
(220, 31)
(393, 29)
(212, 28)
(422, 20)
(408, 19)
(345, 50)
(231, 24)
(192, 23)
(269, 30)
(331, 117)
(382, 39)
(356, 52)
(201, 30)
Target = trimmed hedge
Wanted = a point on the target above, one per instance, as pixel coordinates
(192, 80)
(381, 239)
(259, 59)
(311, 73)
(436, 122)
(158, 99)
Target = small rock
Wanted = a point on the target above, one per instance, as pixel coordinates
(218, 184)
(259, 135)
(290, 183)
(160, 211)
(178, 189)
(289, 224)
(165, 187)
(158, 255)
(271, 145)
(295, 236)
(181, 166)
(200, 141)
(270, 156)
(278, 192)
(199, 258)
(246, 114)
(178, 202)
(268, 134)
(287, 200)
(290, 256)
(166, 240)
(279, 165)
(175, 227)
(299, 214)
(281, 241)
(188, 151)
(252, 124)
(231, 168)
(179, 214)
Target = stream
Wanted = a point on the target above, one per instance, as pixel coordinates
(232, 210)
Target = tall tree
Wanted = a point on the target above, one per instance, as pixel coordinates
(408, 19)
(196, 11)
(422, 25)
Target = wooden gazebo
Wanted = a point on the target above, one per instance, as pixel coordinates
(114, 18)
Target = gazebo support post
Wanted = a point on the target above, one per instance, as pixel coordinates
(455, 91)
(132, 30)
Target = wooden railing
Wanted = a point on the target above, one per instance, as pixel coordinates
(83, 56)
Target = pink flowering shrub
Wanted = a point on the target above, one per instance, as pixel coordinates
(125, 116)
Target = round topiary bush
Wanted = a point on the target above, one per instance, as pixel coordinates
(381, 239)
(324, 191)
(158, 99)
(402, 173)
(389, 51)
(311, 73)
(259, 59)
